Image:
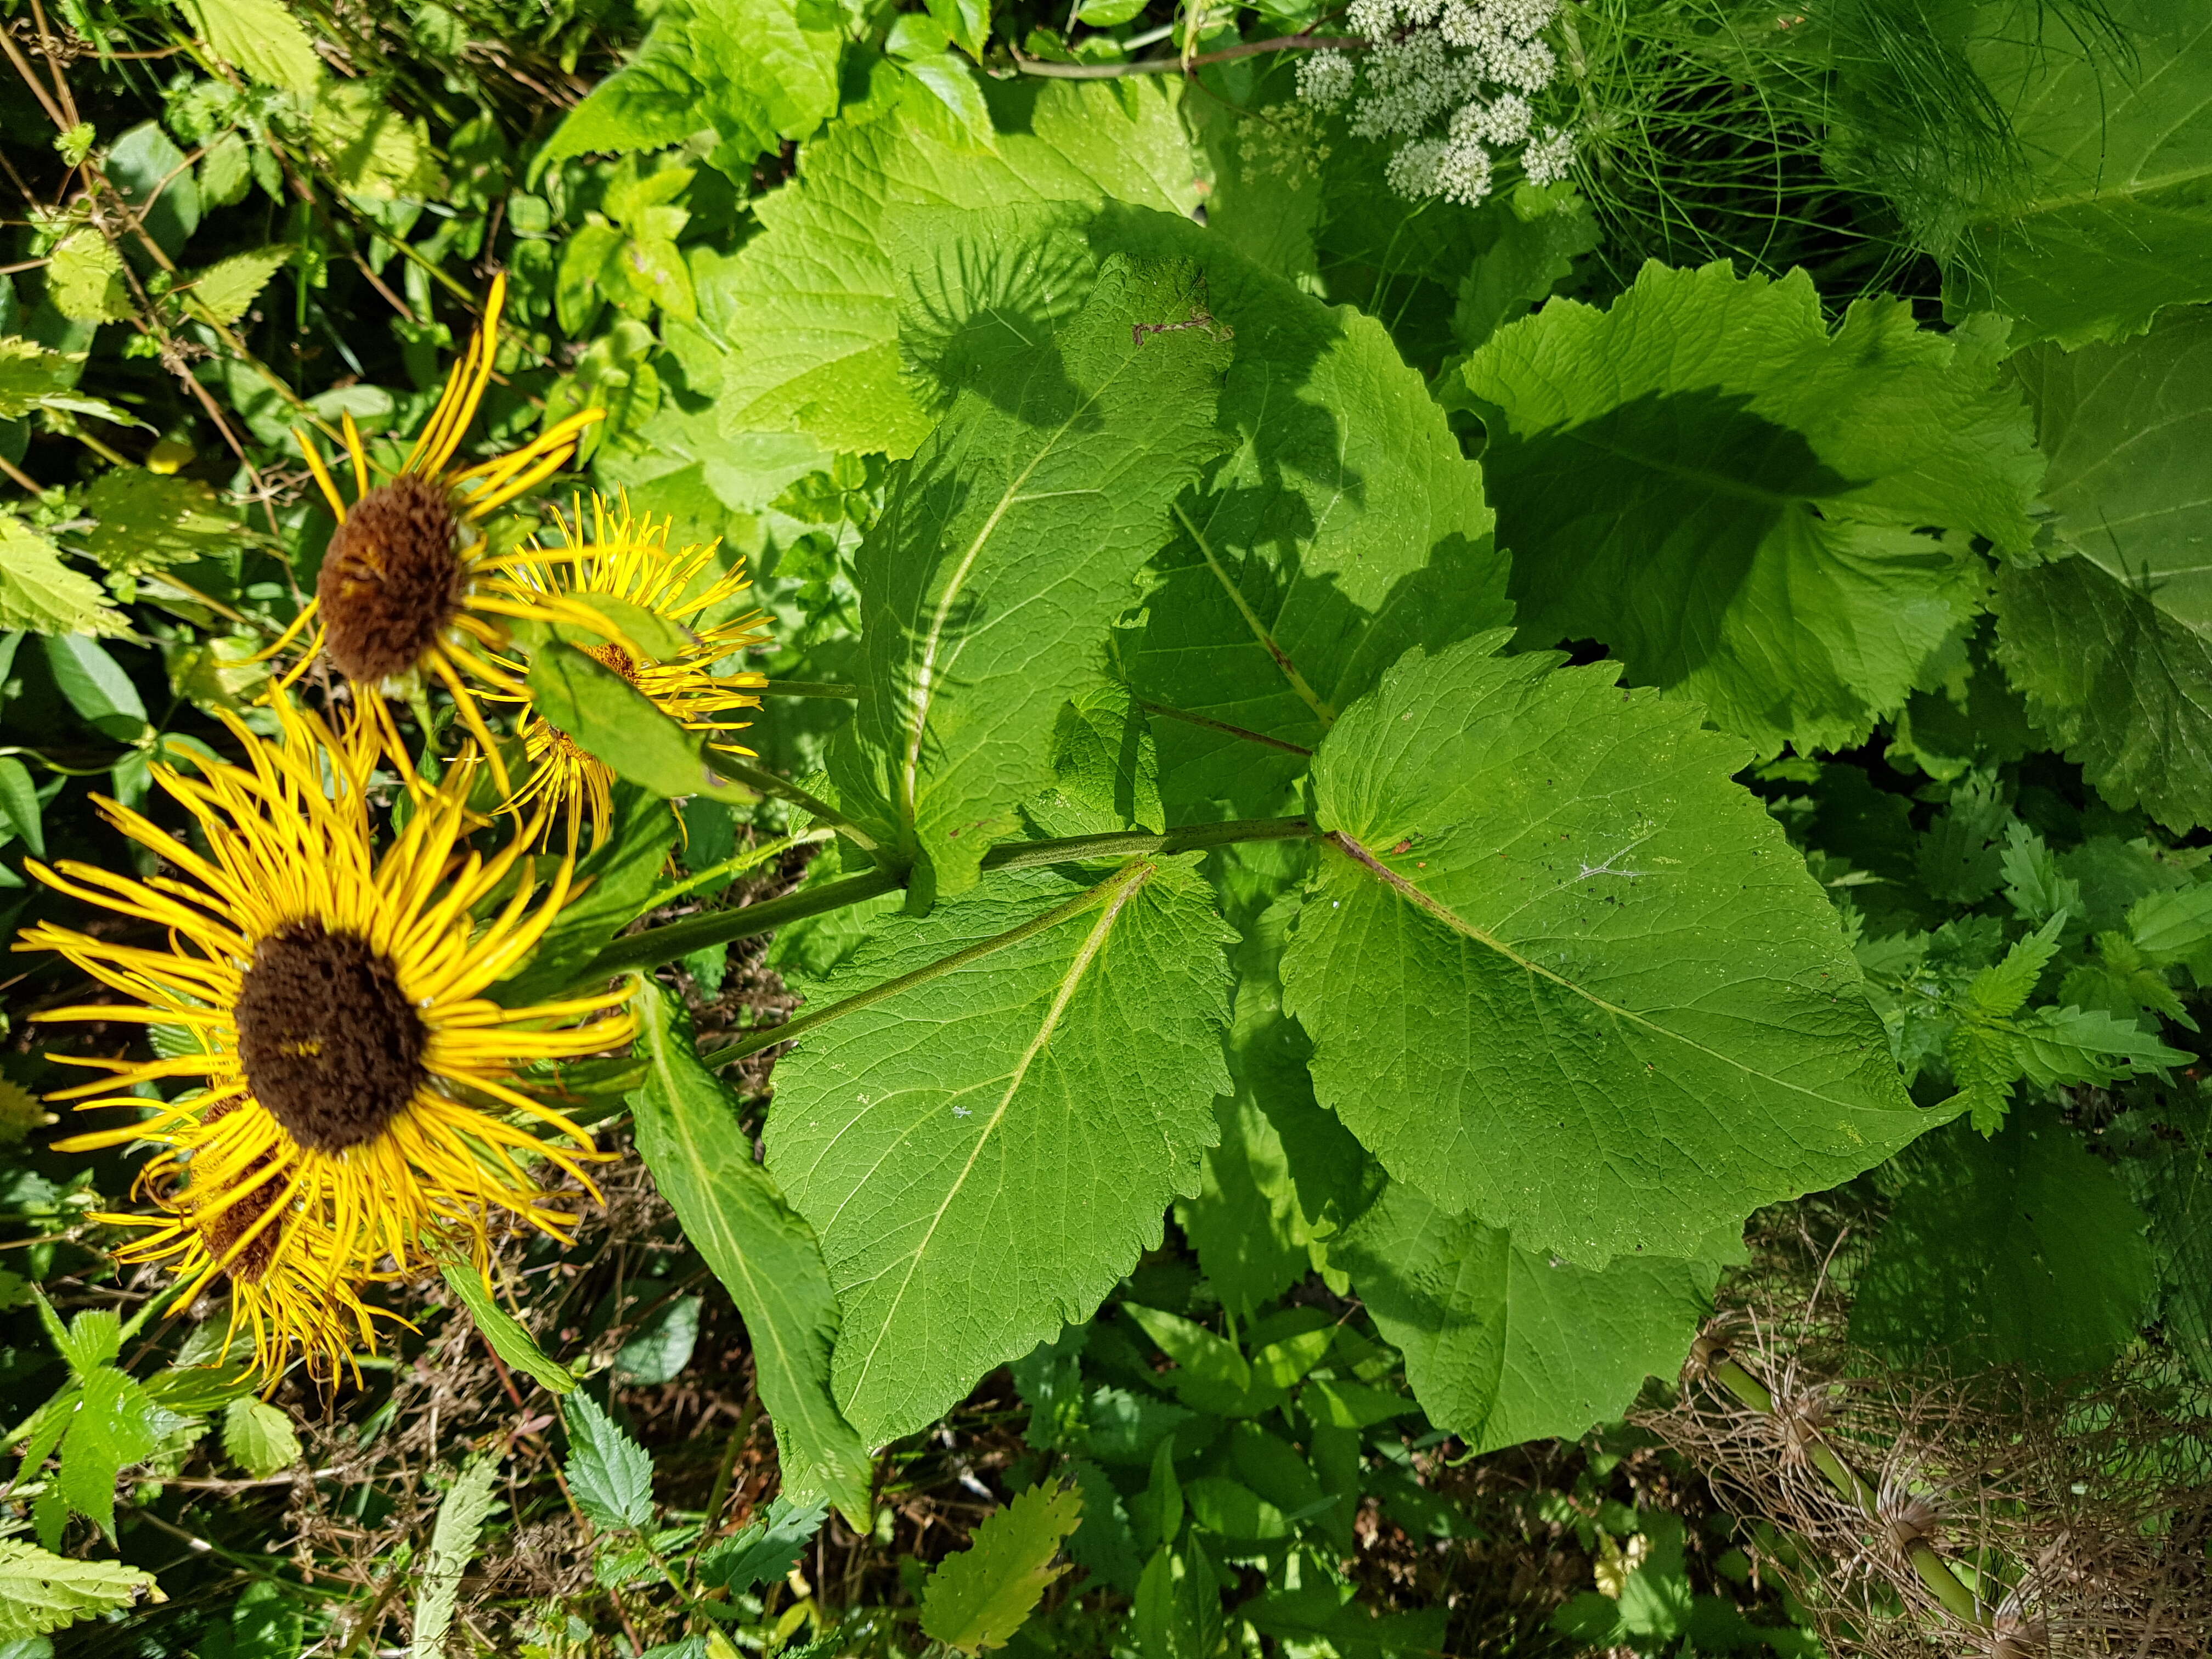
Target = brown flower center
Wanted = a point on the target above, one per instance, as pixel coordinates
(617, 659)
(333, 1047)
(392, 580)
(235, 1219)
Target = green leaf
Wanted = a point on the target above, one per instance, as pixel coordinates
(501, 1330)
(754, 71)
(1504, 1345)
(84, 279)
(2108, 219)
(261, 38)
(1177, 1611)
(659, 1351)
(617, 877)
(1540, 236)
(764, 1552)
(2121, 685)
(34, 377)
(258, 1436)
(114, 1425)
(1005, 548)
(1708, 480)
(228, 287)
(155, 178)
(2020, 1250)
(96, 686)
(979, 1597)
(603, 711)
(1211, 1375)
(462, 1512)
(2168, 927)
(577, 295)
(766, 1256)
(146, 521)
(1600, 1003)
(609, 1474)
(985, 1153)
(372, 150)
(814, 298)
(1345, 527)
(40, 1592)
(948, 77)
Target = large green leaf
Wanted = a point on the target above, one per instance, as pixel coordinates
(984, 1154)
(766, 1256)
(40, 1592)
(814, 299)
(754, 71)
(2111, 217)
(2122, 684)
(1005, 549)
(1708, 480)
(2024, 1249)
(1559, 970)
(2118, 665)
(39, 593)
(1345, 526)
(1503, 1345)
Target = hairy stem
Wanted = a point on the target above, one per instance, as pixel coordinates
(808, 688)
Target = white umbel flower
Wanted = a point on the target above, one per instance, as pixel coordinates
(1327, 78)
(1551, 158)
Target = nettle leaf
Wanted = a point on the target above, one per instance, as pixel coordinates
(1504, 1345)
(1726, 494)
(262, 39)
(84, 279)
(979, 1597)
(2107, 219)
(985, 1154)
(1005, 548)
(114, 1425)
(757, 71)
(814, 298)
(258, 1437)
(765, 1551)
(2025, 1250)
(2113, 648)
(1600, 1003)
(1345, 526)
(767, 1257)
(228, 287)
(34, 377)
(610, 1473)
(39, 1592)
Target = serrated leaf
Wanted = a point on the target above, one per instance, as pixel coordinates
(608, 1473)
(767, 1257)
(2020, 1250)
(765, 1550)
(1005, 548)
(1504, 1345)
(228, 287)
(978, 1598)
(1345, 526)
(814, 298)
(2121, 685)
(462, 1512)
(84, 279)
(40, 1592)
(501, 1330)
(984, 1154)
(372, 149)
(1725, 493)
(261, 38)
(2106, 220)
(113, 1426)
(94, 1337)
(1602, 1004)
(2174, 927)
(757, 71)
(38, 594)
(34, 377)
(258, 1436)
(144, 521)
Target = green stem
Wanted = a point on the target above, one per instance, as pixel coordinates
(1260, 631)
(1934, 1571)
(768, 783)
(751, 858)
(656, 945)
(1105, 892)
(808, 688)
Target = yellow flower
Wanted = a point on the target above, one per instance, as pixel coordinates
(353, 1096)
(627, 559)
(409, 586)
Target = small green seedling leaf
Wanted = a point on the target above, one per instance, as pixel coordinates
(979, 1598)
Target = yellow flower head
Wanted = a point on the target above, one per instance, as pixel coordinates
(353, 1095)
(408, 585)
(627, 559)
